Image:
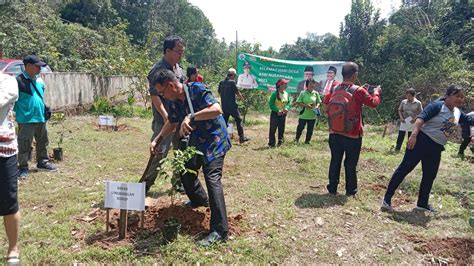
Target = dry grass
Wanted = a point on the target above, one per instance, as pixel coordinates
(287, 215)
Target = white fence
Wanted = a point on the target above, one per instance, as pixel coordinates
(73, 89)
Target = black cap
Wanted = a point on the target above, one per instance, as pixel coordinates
(309, 69)
(333, 69)
(33, 59)
(246, 64)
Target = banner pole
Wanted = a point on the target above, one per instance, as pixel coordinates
(236, 47)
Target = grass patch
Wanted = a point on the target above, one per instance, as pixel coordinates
(288, 217)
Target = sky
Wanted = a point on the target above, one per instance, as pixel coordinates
(274, 23)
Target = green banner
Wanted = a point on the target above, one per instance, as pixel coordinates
(259, 72)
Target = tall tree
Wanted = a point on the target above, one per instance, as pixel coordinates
(359, 31)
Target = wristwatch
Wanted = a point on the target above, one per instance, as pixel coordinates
(191, 118)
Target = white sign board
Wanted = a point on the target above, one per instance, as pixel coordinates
(106, 120)
(125, 196)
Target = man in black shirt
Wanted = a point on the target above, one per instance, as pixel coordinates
(228, 90)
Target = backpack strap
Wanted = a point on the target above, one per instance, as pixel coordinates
(352, 89)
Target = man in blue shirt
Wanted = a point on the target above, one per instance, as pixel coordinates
(30, 116)
(207, 131)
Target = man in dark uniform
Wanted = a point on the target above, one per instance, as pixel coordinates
(228, 90)
(173, 50)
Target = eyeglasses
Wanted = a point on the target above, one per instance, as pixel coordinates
(180, 52)
(162, 93)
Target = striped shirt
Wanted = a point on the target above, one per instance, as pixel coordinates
(8, 97)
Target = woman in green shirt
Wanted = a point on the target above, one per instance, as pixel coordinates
(279, 104)
(309, 100)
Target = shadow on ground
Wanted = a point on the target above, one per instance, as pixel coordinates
(418, 218)
(315, 200)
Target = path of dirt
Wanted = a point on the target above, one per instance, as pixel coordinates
(446, 250)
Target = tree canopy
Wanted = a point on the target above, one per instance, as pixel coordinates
(424, 44)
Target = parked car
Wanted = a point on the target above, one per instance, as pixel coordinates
(13, 67)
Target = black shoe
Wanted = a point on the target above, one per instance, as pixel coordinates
(427, 208)
(330, 191)
(213, 238)
(244, 139)
(279, 143)
(47, 166)
(191, 205)
(307, 142)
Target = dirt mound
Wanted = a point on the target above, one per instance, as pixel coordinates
(445, 250)
(194, 222)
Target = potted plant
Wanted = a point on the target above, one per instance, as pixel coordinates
(171, 230)
(57, 119)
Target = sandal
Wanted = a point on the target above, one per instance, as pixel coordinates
(13, 260)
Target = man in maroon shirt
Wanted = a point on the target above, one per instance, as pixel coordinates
(350, 142)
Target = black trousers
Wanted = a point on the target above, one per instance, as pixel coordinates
(339, 146)
(309, 131)
(238, 120)
(8, 185)
(197, 194)
(276, 122)
(401, 136)
(429, 153)
(465, 142)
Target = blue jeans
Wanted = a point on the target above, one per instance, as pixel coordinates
(429, 153)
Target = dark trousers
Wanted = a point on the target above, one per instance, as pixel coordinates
(238, 121)
(465, 142)
(401, 136)
(429, 153)
(197, 194)
(26, 133)
(309, 131)
(339, 146)
(276, 122)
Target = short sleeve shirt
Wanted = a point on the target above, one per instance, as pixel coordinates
(162, 64)
(210, 136)
(307, 97)
(411, 109)
(443, 126)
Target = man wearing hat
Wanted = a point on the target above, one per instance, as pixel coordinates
(228, 90)
(308, 74)
(330, 82)
(30, 116)
(247, 80)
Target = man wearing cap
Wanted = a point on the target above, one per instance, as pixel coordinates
(247, 80)
(228, 90)
(308, 74)
(173, 50)
(330, 82)
(30, 116)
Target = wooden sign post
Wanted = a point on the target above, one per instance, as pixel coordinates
(124, 196)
